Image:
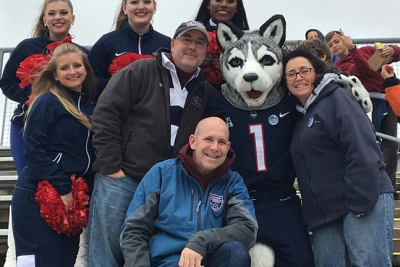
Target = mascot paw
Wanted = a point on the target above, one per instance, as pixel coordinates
(262, 256)
(354, 85)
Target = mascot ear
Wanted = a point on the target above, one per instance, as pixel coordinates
(275, 29)
(227, 33)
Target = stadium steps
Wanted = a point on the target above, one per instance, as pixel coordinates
(8, 177)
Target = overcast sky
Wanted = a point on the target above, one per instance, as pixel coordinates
(358, 18)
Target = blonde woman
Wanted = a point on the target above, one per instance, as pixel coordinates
(57, 144)
(133, 34)
(52, 27)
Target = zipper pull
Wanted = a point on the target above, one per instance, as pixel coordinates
(198, 206)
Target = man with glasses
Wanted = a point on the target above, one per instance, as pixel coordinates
(144, 116)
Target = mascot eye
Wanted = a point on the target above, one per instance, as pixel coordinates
(236, 62)
(267, 60)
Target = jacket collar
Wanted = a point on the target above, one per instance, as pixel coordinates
(185, 154)
(134, 35)
(319, 92)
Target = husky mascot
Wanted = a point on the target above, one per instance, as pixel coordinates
(261, 117)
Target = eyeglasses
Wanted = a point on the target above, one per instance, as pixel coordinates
(303, 73)
(199, 43)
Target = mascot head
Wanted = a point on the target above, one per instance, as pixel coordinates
(251, 63)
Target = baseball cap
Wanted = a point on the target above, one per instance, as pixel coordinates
(191, 25)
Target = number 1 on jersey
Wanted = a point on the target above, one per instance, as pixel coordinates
(259, 146)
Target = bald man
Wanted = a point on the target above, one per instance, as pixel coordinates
(193, 210)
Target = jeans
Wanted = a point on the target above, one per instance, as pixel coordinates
(229, 254)
(17, 146)
(110, 200)
(351, 241)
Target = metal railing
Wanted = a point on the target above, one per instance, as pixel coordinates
(7, 106)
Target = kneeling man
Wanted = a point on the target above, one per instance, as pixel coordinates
(193, 210)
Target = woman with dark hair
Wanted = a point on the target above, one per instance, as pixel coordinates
(210, 13)
(57, 146)
(213, 11)
(346, 194)
(133, 38)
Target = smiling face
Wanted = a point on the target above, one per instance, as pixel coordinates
(58, 17)
(70, 71)
(210, 145)
(301, 87)
(139, 12)
(222, 9)
(189, 50)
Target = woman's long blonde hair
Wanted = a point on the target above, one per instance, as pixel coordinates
(39, 28)
(44, 82)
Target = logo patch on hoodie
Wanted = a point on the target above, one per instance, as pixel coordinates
(216, 202)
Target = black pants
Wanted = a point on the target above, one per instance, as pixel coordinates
(280, 222)
(35, 242)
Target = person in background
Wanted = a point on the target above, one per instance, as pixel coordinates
(355, 61)
(318, 48)
(133, 36)
(314, 34)
(193, 203)
(139, 120)
(57, 144)
(347, 196)
(52, 27)
(391, 85)
(212, 11)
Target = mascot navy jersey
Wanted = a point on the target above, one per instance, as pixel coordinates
(261, 139)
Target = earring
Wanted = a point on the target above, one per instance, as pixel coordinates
(125, 13)
(45, 25)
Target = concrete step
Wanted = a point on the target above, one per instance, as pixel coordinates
(7, 164)
(5, 151)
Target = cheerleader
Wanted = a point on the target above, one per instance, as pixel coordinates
(51, 29)
(57, 145)
(132, 38)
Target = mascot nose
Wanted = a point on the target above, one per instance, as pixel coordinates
(250, 77)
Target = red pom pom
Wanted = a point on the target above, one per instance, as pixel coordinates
(213, 75)
(53, 45)
(29, 67)
(52, 209)
(124, 60)
(213, 45)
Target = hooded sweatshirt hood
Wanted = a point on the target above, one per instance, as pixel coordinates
(185, 155)
(320, 35)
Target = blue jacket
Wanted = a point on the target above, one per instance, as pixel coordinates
(119, 42)
(338, 163)
(9, 82)
(170, 211)
(56, 143)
